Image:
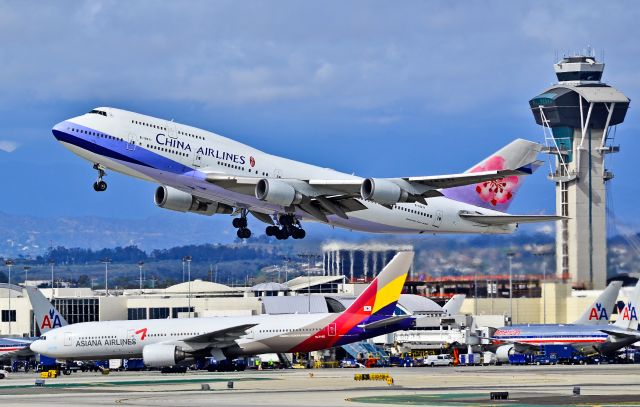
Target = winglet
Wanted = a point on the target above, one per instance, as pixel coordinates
(47, 316)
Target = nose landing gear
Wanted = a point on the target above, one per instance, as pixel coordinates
(99, 185)
(241, 224)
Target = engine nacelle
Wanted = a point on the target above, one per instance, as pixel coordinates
(503, 352)
(176, 200)
(277, 192)
(159, 355)
(382, 191)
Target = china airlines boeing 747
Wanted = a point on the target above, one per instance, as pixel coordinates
(202, 172)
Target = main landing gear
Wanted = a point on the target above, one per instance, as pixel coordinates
(289, 226)
(241, 224)
(99, 185)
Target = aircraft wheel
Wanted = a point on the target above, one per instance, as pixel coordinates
(271, 230)
(99, 186)
(236, 223)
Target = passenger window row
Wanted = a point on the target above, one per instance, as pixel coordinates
(182, 133)
(155, 126)
(238, 167)
(94, 133)
(413, 211)
(167, 150)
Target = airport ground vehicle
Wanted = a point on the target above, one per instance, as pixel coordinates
(3, 373)
(438, 360)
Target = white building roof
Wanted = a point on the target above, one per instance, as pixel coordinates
(199, 286)
(303, 282)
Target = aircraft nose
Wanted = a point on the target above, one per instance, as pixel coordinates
(58, 130)
(37, 346)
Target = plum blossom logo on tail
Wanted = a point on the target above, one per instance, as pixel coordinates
(498, 191)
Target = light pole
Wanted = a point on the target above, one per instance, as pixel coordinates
(543, 254)
(9, 263)
(140, 264)
(183, 263)
(106, 262)
(510, 255)
(188, 260)
(52, 263)
(26, 274)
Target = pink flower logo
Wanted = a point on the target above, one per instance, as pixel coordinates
(497, 191)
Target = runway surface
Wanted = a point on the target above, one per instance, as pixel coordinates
(446, 386)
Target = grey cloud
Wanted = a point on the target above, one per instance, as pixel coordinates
(443, 56)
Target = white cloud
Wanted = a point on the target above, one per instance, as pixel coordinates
(8, 146)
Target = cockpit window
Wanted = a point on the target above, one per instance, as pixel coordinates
(44, 338)
(100, 112)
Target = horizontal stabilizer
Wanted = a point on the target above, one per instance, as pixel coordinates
(385, 322)
(622, 335)
(501, 220)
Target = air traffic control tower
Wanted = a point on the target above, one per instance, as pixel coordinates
(577, 115)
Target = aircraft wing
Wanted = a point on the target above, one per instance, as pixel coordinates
(219, 339)
(501, 220)
(338, 197)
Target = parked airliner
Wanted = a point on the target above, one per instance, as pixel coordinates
(166, 342)
(590, 333)
(205, 173)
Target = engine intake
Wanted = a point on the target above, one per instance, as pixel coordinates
(159, 355)
(382, 191)
(176, 200)
(277, 192)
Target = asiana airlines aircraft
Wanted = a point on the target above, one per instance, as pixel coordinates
(167, 342)
(205, 173)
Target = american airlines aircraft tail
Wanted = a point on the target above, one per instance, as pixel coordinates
(602, 308)
(46, 315)
(499, 193)
(628, 316)
(452, 307)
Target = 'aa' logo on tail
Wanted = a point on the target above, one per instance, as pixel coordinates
(629, 312)
(51, 321)
(598, 313)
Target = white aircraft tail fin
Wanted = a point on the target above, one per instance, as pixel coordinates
(628, 316)
(47, 317)
(452, 307)
(600, 311)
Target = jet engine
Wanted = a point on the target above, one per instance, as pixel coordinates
(176, 200)
(382, 191)
(503, 352)
(159, 355)
(277, 192)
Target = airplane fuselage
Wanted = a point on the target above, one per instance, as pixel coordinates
(589, 337)
(271, 334)
(181, 156)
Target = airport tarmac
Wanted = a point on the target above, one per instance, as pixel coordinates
(446, 386)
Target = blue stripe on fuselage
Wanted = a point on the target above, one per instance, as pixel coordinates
(108, 148)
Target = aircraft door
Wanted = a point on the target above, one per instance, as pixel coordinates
(331, 329)
(68, 338)
(197, 159)
(131, 142)
(437, 219)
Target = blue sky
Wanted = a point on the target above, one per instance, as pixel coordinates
(376, 88)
